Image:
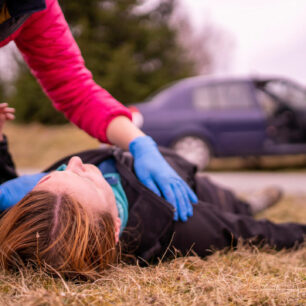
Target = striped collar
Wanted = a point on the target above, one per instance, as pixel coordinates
(19, 8)
(17, 12)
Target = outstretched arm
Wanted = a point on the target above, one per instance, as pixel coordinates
(54, 58)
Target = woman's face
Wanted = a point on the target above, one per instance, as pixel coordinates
(85, 183)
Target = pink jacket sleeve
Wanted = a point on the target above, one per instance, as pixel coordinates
(56, 61)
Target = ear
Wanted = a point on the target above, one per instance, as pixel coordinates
(117, 228)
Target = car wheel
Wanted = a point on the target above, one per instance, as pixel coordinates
(194, 149)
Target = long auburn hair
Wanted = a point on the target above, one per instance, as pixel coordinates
(56, 234)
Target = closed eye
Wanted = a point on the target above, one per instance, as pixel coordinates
(44, 179)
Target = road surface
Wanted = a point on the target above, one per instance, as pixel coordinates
(293, 183)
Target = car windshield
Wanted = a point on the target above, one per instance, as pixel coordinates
(230, 95)
(290, 93)
(161, 95)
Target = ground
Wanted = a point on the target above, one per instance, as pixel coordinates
(244, 277)
(247, 276)
(37, 146)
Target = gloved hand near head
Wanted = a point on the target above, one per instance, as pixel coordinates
(155, 173)
(12, 191)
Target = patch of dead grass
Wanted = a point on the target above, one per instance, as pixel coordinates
(243, 277)
(36, 146)
(247, 276)
(289, 209)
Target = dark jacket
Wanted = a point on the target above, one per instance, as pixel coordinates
(7, 166)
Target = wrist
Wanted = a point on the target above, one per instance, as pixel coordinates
(121, 131)
(142, 144)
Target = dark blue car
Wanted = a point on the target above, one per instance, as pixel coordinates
(201, 117)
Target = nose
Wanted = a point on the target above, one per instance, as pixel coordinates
(75, 164)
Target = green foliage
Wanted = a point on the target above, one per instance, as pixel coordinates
(31, 104)
(2, 95)
(131, 54)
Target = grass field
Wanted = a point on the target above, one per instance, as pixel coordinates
(247, 276)
(244, 277)
(36, 146)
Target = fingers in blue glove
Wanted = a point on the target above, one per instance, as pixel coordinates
(169, 195)
(182, 203)
(150, 184)
(186, 199)
(191, 195)
(149, 163)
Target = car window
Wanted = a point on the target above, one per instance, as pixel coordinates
(290, 93)
(266, 102)
(155, 95)
(222, 96)
(168, 96)
(202, 98)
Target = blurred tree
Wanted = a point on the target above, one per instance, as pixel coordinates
(31, 104)
(131, 53)
(2, 95)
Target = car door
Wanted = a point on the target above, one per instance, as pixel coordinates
(233, 116)
(287, 116)
(291, 94)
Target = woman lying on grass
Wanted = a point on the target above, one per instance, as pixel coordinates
(77, 216)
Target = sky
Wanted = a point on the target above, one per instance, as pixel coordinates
(269, 35)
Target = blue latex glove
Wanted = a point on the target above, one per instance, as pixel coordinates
(155, 173)
(12, 191)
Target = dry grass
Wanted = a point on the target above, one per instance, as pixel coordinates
(287, 210)
(243, 277)
(36, 146)
(263, 163)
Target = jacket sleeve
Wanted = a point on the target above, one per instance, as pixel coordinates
(7, 167)
(55, 60)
